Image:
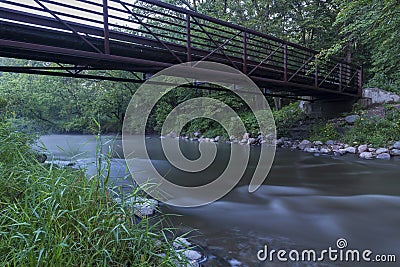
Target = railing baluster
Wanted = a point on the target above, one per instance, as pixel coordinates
(316, 72)
(106, 28)
(244, 52)
(360, 80)
(188, 43)
(340, 77)
(285, 60)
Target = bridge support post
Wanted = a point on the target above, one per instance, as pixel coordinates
(106, 28)
(327, 108)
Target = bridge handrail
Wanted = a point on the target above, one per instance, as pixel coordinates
(254, 52)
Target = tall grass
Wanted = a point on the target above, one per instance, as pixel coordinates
(52, 216)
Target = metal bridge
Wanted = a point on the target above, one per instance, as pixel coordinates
(146, 36)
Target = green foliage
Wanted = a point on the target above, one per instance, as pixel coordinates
(324, 132)
(65, 104)
(375, 130)
(52, 216)
(287, 117)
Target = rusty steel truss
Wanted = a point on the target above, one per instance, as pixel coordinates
(146, 36)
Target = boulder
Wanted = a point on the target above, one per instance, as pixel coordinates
(311, 150)
(279, 142)
(143, 206)
(192, 255)
(385, 156)
(395, 152)
(318, 143)
(396, 145)
(366, 155)
(251, 141)
(351, 119)
(362, 148)
(305, 144)
(351, 150)
(381, 150)
(216, 139)
(246, 136)
(181, 242)
(325, 150)
(330, 142)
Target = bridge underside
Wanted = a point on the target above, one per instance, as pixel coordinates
(284, 70)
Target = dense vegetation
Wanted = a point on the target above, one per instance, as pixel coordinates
(376, 130)
(361, 31)
(52, 216)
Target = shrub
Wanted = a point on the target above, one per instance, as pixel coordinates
(53, 216)
(324, 132)
(287, 117)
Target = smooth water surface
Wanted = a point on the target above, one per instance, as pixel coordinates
(307, 202)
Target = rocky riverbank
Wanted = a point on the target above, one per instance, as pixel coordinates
(364, 151)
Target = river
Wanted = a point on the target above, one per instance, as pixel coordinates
(307, 202)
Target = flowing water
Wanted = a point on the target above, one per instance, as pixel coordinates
(307, 202)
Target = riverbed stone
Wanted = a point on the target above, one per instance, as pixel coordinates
(192, 255)
(279, 142)
(311, 150)
(385, 156)
(143, 206)
(246, 136)
(216, 139)
(351, 119)
(396, 145)
(351, 150)
(395, 152)
(305, 144)
(251, 141)
(366, 155)
(381, 150)
(330, 142)
(318, 143)
(362, 148)
(325, 150)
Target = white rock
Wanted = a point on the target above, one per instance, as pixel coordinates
(318, 143)
(192, 255)
(351, 150)
(395, 152)
(324, 150)
(305, 144)
(396, 145)
(144, 206)
(181, 242)
(311, 150)
(330, 142)
(366, 155)
(235, 263)
(279, 142)
(342, 151)
(362, 148)
(383, 156)
(382, 150)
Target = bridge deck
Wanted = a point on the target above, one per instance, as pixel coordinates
(151, 35)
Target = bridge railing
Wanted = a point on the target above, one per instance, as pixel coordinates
(177, 35)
